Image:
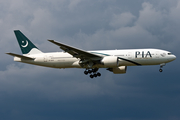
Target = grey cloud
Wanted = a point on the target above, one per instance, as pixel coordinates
(73, 3)
(122, 20)
(150, 17)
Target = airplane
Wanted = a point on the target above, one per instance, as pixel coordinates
(115, 61)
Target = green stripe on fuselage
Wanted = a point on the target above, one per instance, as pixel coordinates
(119, 58)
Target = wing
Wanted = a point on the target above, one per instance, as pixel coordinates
(78, 53)
(20, 56)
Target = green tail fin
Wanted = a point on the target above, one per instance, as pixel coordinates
(27, 47)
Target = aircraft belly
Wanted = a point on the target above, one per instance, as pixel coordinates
(150, 61)
(62, 63)
(126, 63)
(54, 63)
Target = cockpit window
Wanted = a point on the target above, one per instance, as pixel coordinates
(169, 53)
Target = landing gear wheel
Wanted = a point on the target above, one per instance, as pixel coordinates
(93, 72)
(98, 74)
(85, 72)
(95, 75)
(160, 70)
(91, 76)
(89, 71)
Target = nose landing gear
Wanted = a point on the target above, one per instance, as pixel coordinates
(94, 71)
(161, 66)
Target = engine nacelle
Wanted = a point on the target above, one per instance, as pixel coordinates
(110, 61)
(118, 70)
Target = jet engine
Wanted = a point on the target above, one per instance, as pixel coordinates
(118, 70)
(110, 61)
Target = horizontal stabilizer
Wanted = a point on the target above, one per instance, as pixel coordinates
(20, 56)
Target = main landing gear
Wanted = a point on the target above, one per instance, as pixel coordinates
(161, 66)
(93, 72)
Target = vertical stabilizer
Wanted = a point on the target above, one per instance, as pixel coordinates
(27, 47)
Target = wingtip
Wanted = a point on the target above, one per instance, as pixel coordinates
(50, 40)
(8, 53)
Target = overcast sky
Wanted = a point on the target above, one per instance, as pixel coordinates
(30, 92)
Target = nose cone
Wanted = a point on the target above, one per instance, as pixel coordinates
(173, 57)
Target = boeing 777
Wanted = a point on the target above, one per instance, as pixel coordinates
(115, 61)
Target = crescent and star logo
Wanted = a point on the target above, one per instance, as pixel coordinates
(25, 44)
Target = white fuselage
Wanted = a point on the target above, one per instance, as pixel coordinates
(128, 57)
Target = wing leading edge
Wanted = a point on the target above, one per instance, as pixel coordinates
(76, 52)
